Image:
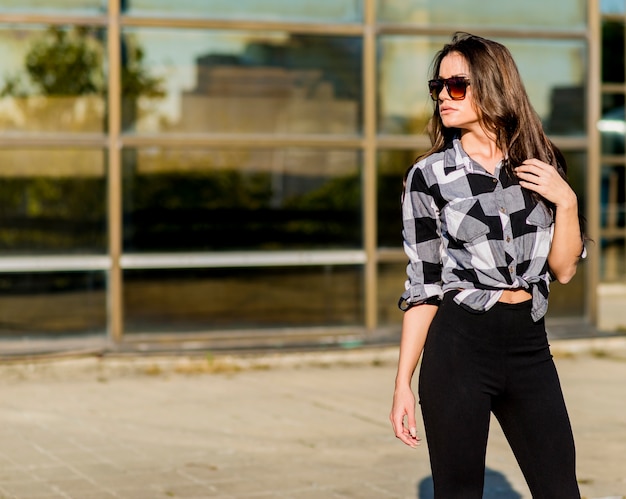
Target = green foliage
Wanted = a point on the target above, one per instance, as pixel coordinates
(61, 63)
(66, 63)
(227, 189)
(136, 80)
(341, 193)
(70, 62)
(52, 213)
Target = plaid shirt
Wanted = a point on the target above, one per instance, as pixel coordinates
(468, 230)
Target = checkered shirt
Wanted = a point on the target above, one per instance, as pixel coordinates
(466, 229)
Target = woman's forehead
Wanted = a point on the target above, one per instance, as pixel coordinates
(453, 64)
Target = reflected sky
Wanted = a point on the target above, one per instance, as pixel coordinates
(466, 15)
(55, 6)
(305, 10)
(612, 6)
(172, 54)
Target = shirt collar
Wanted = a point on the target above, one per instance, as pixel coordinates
(456, 158)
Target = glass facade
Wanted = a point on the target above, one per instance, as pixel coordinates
(214, 169)
(241, 199)
(468, 16)
(333, 11)
(612, 168)
(224, 81)
(61, 304)
(53, 79)
(182, 301)
(58, 7)
(52, 200)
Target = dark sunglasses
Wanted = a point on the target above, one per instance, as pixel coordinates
(456, 87)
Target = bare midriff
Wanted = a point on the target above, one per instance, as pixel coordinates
(515, 296)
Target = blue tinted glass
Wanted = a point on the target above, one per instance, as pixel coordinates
(612, 6)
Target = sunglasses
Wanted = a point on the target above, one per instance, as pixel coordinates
(456, 87)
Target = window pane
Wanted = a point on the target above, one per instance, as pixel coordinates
(613, 222)
(404, 103)
(612, 125)
(391, 278)
(178, 301)
(612, 6)
(569, 300)
(234, 81)
(52, 80)
(613, 197)
(553, 72)
(36, 305)
(334, 11)
(77, 7)
(613, 52)
(202, 199)
(392, 166)
(555, 14)
(612, 296)
(52, 201)
(613, 259)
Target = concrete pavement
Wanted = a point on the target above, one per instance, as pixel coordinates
(301, 426)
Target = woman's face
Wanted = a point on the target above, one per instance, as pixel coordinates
(456, 113)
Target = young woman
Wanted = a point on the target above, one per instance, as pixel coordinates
(488, 221)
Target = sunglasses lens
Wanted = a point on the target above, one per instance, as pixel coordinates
(435, 87)
(456, 88)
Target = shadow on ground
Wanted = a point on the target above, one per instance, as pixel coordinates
(496, 487)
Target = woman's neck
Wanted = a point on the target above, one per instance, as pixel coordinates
(482, 149)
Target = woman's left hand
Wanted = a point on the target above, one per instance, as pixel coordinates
(545, 180)
(567, 243)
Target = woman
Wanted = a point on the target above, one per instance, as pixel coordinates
(488, 221)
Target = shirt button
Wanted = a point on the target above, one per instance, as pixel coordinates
(508, 239)
(511, 270)
(503, 209)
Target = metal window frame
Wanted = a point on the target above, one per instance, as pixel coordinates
(369, 142)
(594, 156)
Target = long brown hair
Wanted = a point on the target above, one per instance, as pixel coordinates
(501, 102)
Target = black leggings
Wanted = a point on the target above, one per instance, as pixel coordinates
(498, 361)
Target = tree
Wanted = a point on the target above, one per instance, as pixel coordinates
(70, 62)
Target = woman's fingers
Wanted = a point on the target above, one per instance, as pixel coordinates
(406, 433)
(544, 179)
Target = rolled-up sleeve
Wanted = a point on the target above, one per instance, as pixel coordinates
(422, 242)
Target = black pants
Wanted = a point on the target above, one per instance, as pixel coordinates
(498, 361)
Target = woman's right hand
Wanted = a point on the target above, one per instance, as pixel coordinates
(415, 324)
(404, 407)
